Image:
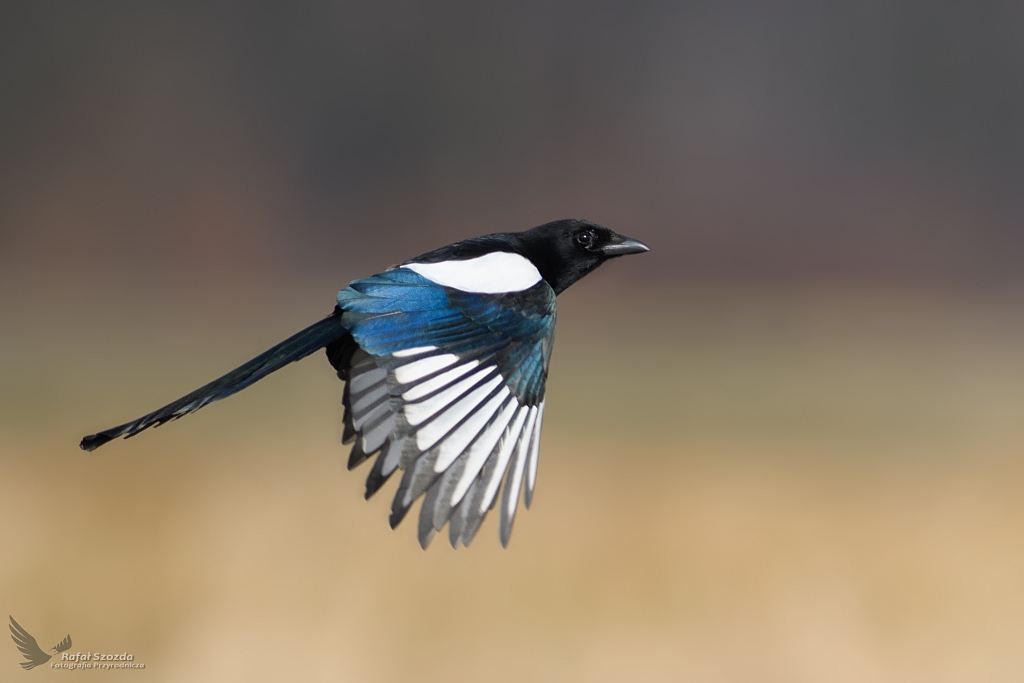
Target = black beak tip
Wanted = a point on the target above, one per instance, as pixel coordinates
(628, 245)
(639, 246)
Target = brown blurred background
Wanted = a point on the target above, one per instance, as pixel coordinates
(783, 446)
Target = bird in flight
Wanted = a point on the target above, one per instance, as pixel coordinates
(445, 360)
(30, 648)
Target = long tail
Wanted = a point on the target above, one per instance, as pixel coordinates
(293, 348)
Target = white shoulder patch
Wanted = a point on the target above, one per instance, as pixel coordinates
(495, 273)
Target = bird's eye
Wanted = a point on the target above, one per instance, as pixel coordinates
(586, 238)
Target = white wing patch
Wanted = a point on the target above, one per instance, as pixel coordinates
(495, 273)
(456, 430)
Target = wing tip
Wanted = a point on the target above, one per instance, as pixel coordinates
(356, 456)
(376, 479)
(425, 537)
(398, 512)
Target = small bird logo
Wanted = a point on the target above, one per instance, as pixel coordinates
(30, 648)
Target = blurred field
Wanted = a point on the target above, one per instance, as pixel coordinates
(776, 485)
(783, 447)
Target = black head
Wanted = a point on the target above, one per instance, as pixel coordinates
(563, 251)
(566, 250)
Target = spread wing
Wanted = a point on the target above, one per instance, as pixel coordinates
(28, 646)
(63, 645)
(447, 386)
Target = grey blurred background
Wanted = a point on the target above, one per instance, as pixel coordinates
(784, 445)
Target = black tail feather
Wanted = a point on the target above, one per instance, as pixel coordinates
(296, 347)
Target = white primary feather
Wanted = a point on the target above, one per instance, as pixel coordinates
(531, 468)
(359, 421)
(374, 438)
(457, 442)
(418, 413)
(515, 436)
(518, 464)
(481, 449)
(365, 400)
(435, 383)
(418, 369)
(435, 430)
(364, 379)
(414, 351)
(392, 456)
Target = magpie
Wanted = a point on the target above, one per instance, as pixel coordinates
(445, 359)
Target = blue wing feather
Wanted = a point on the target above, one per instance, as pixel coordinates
(400, 309)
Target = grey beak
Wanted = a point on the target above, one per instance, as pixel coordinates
(624, 245)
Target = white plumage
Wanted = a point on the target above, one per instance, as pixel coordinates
(495, 273)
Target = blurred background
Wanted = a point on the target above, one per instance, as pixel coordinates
(783, 446)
